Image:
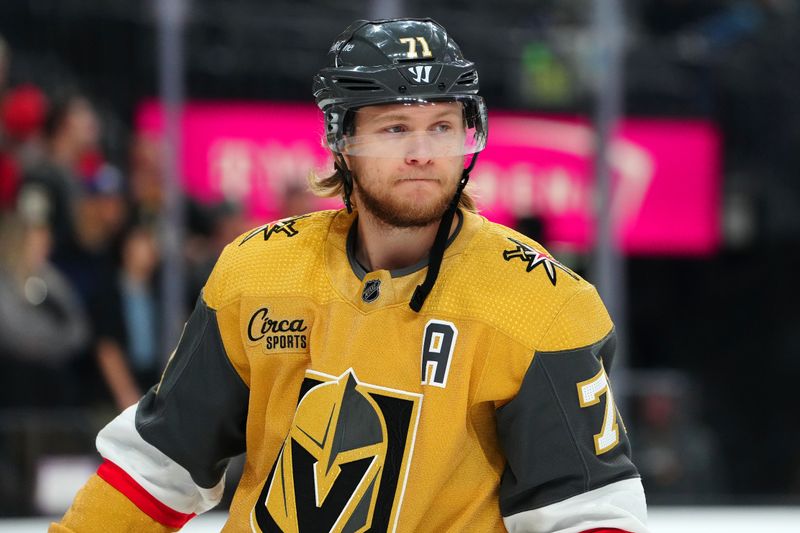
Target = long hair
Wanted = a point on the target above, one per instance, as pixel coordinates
(333, 185)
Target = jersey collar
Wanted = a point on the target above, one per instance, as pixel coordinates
(350, 279)
(361, 272)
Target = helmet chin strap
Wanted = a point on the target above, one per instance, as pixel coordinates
(347, 181)
(440, 243)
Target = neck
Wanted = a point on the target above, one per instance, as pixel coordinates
(383, 247)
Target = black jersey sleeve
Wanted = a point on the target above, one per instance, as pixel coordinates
(176, 442)
(568, 458)
(197, 413)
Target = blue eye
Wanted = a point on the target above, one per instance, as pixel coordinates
(395, 129)
(442, 127)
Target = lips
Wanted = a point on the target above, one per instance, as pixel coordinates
(418, 180)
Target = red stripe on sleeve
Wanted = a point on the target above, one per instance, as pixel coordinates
(123, 482)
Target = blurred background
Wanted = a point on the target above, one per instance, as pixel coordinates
(652, 145)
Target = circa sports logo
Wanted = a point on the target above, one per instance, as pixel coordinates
(277, 334)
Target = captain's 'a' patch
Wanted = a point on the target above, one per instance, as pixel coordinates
(534, 258)
(344, 463)
(284, 226)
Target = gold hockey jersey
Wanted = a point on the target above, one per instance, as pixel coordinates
(490, 410)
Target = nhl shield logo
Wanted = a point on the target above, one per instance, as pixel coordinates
(372, 290)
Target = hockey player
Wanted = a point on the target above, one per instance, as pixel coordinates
(399, 365)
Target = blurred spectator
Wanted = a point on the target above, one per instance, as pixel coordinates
(43, 328)
(145, 178)
(101, 208)
(22, 116)
(42, 322)
(71, 129)
(89, 259)
(128, 330)
(23, 113)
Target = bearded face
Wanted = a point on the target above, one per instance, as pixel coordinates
(407, 182)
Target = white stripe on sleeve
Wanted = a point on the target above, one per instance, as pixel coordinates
(618, 505)
(163, 478)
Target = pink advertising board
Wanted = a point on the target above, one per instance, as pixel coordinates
(666, 173)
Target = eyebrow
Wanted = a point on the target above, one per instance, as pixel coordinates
(400, 117)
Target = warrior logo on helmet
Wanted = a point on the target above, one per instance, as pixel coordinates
(345, 457)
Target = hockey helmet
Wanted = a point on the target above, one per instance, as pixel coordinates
(399, 61)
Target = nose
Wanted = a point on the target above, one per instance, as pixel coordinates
(419, 150)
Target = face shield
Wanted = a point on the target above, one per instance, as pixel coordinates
(446, 128)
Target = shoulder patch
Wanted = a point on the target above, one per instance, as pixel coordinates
(533, 258)
(284, 226)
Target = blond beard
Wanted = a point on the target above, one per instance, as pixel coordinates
(388, 210)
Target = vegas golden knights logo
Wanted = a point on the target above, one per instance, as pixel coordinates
(284, 225)
(344, 465)
(534, 258)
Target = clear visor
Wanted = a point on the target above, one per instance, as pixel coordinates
(417, 128)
